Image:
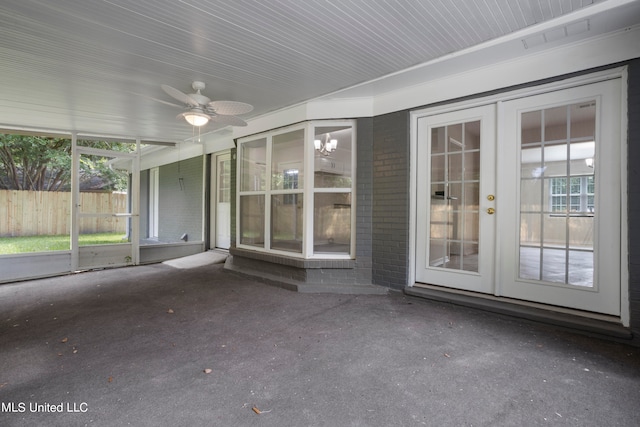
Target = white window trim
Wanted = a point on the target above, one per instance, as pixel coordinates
(307, 190)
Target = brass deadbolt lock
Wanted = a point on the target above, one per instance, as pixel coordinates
(491, 197)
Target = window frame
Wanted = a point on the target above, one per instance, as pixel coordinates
(306, 191)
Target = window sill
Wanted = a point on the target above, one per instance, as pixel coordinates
(292, 261)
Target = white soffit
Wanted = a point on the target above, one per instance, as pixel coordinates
(94, 66)
(572, 43)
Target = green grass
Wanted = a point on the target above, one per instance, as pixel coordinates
(17, 245)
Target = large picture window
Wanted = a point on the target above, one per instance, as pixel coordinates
(282, 208)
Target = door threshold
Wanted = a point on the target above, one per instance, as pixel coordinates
(600, 325)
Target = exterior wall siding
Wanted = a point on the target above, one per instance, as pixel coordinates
(364, 200)
(633, 196)
(390, 202)
(180, 200)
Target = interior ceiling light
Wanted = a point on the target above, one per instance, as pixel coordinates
(327, 146)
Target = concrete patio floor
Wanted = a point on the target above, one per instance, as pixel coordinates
(197, 345)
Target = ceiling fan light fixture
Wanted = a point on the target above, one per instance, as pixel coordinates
(195, 118)
(200, 109)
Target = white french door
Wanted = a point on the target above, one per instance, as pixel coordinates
(455, 218)
(522, 198)
(560, 224)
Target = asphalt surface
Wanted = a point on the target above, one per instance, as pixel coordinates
(201, 346)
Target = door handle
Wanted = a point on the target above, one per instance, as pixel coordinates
(491, 211)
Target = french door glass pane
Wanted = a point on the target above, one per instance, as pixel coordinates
(455, 196)
(557, 200)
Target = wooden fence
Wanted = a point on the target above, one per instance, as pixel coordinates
(38, 213)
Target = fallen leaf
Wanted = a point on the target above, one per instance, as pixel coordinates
(75, 350)
(64, 340)
(170, 311)
(208, 371)
(110, 379)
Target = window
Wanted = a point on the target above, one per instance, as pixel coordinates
(580, 195)
(282, 209)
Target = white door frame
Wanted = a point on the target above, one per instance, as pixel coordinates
(213, 220)
(104, 255)
(620, 72)
(154, 198)
(481, 280)
(603, 296)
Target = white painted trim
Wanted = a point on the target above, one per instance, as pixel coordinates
(153, 201)
(309, 189)
(75, 201)
(203, 210)
(413, 194)
(625, 313)
(586, 79)
(566, 59)
(134, 221)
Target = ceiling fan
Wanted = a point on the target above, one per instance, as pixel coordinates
(200, 109)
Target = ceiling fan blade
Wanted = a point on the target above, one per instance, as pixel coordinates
(175, 93)
(228, 120)
(167, 103)
(158, 100)
(229, 108)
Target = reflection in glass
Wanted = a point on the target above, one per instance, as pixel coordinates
(333, 170)
(455, 196)
(286, 160)
(253, 165)
(557, 194)
(252, 220)
(286, 222)
(332, 223)
(223, 203)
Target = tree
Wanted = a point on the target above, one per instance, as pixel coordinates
(43, 163)
(34, 163)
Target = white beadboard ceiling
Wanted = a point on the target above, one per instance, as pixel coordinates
(94, 66)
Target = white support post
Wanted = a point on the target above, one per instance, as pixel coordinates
(75, 202)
